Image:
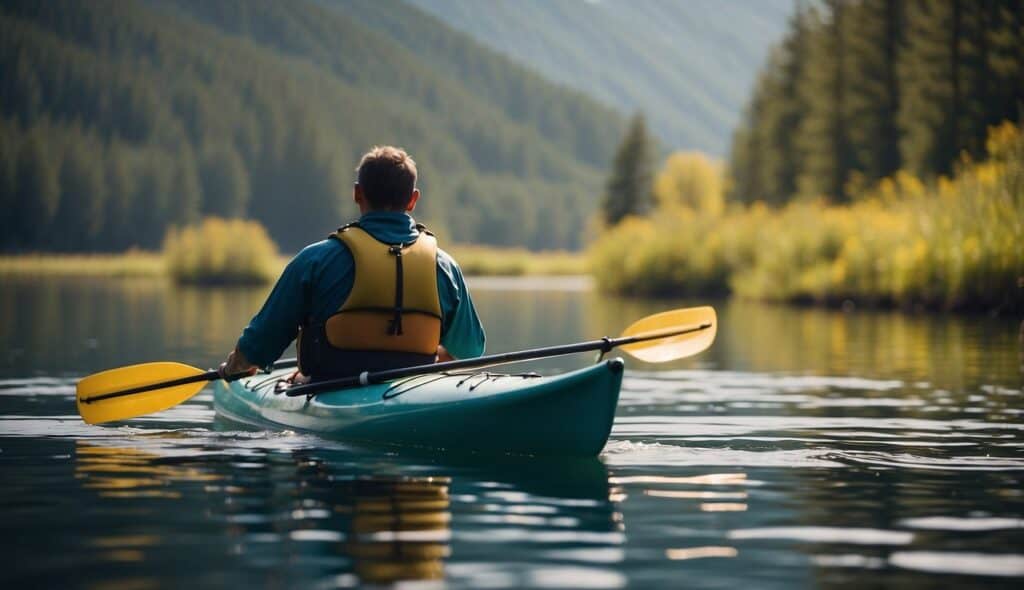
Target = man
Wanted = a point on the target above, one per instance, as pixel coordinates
(378, 294)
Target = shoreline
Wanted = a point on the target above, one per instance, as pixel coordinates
(541, 275)
(475, 261)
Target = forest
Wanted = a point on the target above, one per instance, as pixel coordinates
(122, 119)
(881, 163)
(859, 90)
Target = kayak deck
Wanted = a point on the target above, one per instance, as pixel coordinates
(568, 414)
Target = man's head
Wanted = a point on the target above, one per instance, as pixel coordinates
(386, 180)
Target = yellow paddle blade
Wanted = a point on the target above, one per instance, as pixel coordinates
(136, 404)
(670, 348)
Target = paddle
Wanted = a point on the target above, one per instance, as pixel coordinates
(656, 338)
(136, 390)
(127, 392)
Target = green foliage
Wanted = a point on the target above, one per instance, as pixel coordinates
(260, 109)
(765, 160)
(959, 77)
(219, 251)
(36, 190)
(862, 88)
(873, 34)
(83, 191)
(954, 244)
(225, 181)
(822, 140)
(628, 189)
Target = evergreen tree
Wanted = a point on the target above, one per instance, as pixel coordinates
(931, 98)
(628, 189)
(9, 143)
(879, 85)
(37, 191)
(152, 202)
(823, 142)
(749, 144)
(872, 30)
(121, 184)
(79, 216)
(784, 108)
(1003, 40)
(990, 66)
(225, 182)
(186, 188)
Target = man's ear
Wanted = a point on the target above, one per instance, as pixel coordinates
(358, 197)
(412, 200)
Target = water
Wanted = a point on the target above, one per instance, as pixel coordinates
(807, 448)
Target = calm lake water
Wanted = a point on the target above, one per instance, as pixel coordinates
(807, 448)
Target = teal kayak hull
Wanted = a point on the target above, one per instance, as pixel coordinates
(568, 414)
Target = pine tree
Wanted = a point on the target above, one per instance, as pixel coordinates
(9, 143)
(743, 163)
(37, 192)
(186, 189)
(1004, 62)
(991, 67)
(750, 144)
(784, 109)
(225, 182)
(822, 141)
(79, 216)
(121, 184)
(931, 98)
(872, 31)
(628, 189)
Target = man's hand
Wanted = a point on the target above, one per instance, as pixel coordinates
(442, 355)
(236, 363)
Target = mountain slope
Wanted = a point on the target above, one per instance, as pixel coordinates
(122, 117)
(688, 65)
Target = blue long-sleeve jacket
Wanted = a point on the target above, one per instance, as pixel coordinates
(318, 280)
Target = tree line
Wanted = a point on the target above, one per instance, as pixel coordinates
(859, 89)
(119, 120)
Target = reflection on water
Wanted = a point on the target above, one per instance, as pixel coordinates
(400, 529)
(387, 528)
(301, 514)
(807, 448)
(70, 326)
(130, 473)
(76, 326)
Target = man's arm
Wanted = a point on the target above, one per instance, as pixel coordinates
(277, 323)
(463, 334)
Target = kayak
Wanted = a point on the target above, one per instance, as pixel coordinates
(567, 414)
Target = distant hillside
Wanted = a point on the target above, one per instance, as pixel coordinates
(118, 118)
(689, 65)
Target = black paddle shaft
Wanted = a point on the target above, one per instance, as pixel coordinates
(604, 345)
(207, 376)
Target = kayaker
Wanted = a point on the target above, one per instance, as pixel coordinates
(377, 294)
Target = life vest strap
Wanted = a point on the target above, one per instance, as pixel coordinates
(395, 326)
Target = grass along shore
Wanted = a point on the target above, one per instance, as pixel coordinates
(953, 244)
(135, 263)
(474, 260)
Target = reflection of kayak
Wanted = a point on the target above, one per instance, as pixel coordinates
(568, 414)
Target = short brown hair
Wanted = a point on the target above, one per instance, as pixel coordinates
(387, 176)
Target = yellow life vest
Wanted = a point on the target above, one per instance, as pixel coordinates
(391, 317)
